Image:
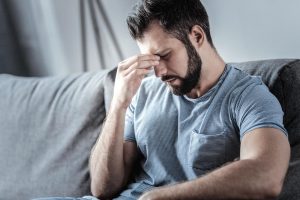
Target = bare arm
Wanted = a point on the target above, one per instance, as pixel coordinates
(109, 164)
(259, 173)
(111, 159)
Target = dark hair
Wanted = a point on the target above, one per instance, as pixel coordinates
(177, 17)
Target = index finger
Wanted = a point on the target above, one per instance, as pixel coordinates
(139, 58)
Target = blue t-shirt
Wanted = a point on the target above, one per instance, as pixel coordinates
(180, 138)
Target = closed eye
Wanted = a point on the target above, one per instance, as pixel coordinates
(164, 56)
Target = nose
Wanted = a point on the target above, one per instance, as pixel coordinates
(160, 69)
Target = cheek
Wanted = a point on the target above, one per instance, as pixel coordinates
(178, 66)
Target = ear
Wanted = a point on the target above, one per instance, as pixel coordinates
(197, 36)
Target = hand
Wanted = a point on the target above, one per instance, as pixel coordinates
(151, 195)
(129, 77)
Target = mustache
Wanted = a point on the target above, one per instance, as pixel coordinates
(169, 77)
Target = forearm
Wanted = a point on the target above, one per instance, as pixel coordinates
(238, 180)
(106, 161)
(109, 167)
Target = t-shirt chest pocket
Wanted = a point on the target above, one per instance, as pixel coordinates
(207, 150)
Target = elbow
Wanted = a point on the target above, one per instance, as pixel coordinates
(95, 190)
(274, 191)
(271, 190)
(103, 191)
(99, 191)
(100, 195)
(98, 185)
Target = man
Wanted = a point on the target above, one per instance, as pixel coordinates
(178, 136)
(180, 129)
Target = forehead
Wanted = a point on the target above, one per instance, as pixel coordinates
(155, 40)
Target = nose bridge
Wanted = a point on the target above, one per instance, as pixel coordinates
(160, 69)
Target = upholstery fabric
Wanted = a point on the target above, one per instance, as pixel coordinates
(291, 184)
(47, 129)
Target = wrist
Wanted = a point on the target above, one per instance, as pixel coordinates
(117, 106)
(155, 194)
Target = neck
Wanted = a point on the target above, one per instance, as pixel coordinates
(212, 68)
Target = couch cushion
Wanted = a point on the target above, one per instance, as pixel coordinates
(47, 129)
(291, 184)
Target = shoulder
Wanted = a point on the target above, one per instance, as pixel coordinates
(242, 84)
(249, 93)
(242, 80)
(237, 84)
(253, 105)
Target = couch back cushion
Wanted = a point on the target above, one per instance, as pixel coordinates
(47, 129)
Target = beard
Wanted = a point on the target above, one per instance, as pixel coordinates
(193, 73)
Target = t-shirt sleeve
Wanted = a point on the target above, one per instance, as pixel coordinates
(257, 107)
(129, 134)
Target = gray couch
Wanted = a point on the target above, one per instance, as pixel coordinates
(49, 125)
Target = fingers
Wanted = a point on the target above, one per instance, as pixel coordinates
(140, 73)
(142, 65)
(143, 60)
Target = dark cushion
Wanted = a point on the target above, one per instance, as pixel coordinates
(47, 129)
(291, 184)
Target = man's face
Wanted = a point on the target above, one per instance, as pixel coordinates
(180, 64)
